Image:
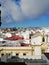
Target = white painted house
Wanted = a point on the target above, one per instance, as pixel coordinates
(8, 34)
(36, 39)
(1, 39)
(48, 38)
(26, 36)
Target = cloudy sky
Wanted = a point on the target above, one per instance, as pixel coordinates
(25, 13)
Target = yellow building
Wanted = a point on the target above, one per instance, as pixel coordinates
(34, 51)
(31, 52)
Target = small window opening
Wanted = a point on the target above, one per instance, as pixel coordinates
(43, 39)
(17, 54)
(2, 54)
(9, 54)
(24, 54)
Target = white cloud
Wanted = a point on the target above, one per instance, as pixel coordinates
(34, 8)
(16, 12)
(5, 15)
(27, 9)
(9, 8)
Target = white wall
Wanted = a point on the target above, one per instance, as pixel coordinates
(13, 54)
(8, 34)
(28, 55)
(1, 39)
(48, 39)
(37, 52)
(27, 41)
(45, 39)
(47, 50)
(36, 40)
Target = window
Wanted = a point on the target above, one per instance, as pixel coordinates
(43, 39)
(24, 54)
(3, 41)
(22, 44)
(17, 54)
(9, 54)
(2, 54)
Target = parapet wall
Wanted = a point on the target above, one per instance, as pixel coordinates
(23, 52)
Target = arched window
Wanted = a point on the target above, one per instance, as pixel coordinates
(43, 39)
(9, 54)
(17, 54)
(24, 54)
(2, 54)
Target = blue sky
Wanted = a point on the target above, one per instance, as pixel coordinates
(41, 22)
(33, 19)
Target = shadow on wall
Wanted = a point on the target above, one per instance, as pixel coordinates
(16, 63)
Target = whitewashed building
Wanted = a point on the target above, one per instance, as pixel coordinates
(1, 39)
(36, 39)
(8, 34)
